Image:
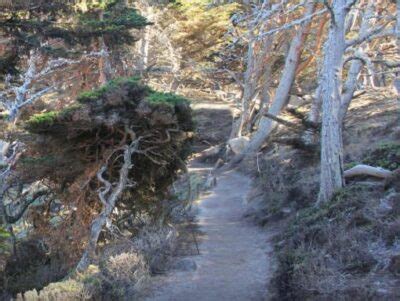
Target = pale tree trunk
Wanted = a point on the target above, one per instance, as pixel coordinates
(175, 59)
(265, 95)
(109, 195)
(144, 52)
(266, 125)
(251, 78)
(105, 68)
(309, 137)
(356, 66)
(331, 135)
(249, 87)
(144, 43)
(350, 87)
(397, 79)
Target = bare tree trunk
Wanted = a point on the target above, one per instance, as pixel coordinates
(105, 68)
(251, 79)
(309, 137)
(266, 125)
(108, 196)
(144, 43)
(330, 85)
(356, 65)
(248, 89)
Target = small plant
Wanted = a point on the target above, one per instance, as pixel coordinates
(4, 235)
(42, 120)
(166, 98)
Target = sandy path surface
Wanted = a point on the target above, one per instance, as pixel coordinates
(233, 262)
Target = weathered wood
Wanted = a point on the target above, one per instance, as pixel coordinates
(108, 196)
(396, 82)
(366, 170)
(266, 125)
(356, 66)
(289, 124)
(330, 88)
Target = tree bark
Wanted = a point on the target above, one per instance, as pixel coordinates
(356, 66)
(330, 86)
(105, 68)
(366, 170)
(397, 79)
(251, 79)
(109, 196)
(266, 125)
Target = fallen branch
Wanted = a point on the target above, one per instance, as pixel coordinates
(366, 170)
(303, 118)
(283, 121)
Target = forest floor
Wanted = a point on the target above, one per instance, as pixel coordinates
(233, 254)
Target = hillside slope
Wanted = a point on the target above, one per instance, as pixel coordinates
(348, 248)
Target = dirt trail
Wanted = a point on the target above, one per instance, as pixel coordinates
(233, 263)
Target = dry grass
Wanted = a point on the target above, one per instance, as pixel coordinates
(69, 290)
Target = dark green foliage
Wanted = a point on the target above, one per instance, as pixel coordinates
(111, 86)
(42, 120)
(60, 20)
(166, 98)
(8, 64)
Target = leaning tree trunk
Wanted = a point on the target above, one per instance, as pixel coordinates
(266, 125)
(330, 87)
(248, 89)
(252, 76)
(357, 64)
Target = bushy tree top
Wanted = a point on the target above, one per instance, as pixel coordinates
(35, 24)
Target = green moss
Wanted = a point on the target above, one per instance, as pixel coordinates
(166, 98)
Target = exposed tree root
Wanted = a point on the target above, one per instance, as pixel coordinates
(366, 170)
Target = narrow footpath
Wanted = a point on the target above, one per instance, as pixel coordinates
(232, 264)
